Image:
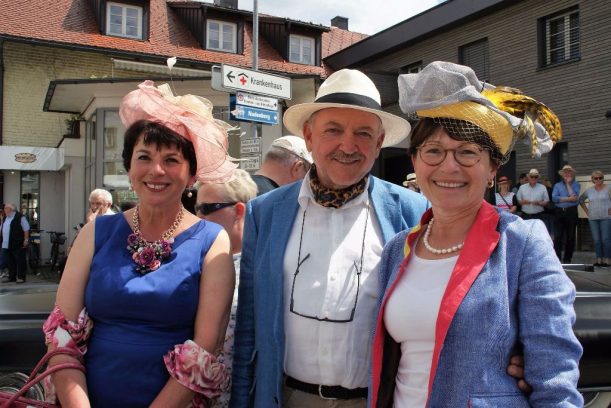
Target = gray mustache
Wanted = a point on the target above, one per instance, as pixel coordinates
(344, 156)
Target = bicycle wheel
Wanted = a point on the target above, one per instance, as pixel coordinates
(34, 257)
(54, 255)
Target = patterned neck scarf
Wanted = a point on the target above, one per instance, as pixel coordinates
(328, 197)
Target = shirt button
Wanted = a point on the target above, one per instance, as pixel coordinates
(333, 277)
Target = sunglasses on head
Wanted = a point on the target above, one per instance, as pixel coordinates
(598, 178)
(209, 208)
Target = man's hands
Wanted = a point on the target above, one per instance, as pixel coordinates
(516, 370)
(93, 214)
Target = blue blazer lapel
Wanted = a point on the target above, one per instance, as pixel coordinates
(282, 219)
(387, 208)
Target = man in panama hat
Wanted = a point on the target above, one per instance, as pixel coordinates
(565, 196)
(310, 256)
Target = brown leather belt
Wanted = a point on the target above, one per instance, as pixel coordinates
(326, 391)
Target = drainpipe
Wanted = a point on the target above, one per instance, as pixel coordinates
(1, 90)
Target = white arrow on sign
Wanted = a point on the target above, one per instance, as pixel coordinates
(255, 82)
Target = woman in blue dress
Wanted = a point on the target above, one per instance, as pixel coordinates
(146, 294)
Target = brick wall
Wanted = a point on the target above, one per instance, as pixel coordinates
(28, 71)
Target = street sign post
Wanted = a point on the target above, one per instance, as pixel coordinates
(257, 82)
(250, 146)
(256, 101)
(247, 113)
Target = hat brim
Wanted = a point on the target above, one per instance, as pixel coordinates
(494, 124)
(396, 129)
(561, 172)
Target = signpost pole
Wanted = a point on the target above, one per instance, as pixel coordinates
(255, 51)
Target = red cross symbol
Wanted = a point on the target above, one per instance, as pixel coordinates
(243, 79)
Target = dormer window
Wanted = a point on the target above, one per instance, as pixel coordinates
(221, 36)
(301, 49)
(123, 20)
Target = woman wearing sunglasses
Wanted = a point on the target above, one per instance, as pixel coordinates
(598, 211)
(225, 204)
(146, 294)
(471, 285)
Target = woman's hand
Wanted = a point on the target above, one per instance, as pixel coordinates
(516, 370)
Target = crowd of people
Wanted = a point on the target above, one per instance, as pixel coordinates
(314, 283)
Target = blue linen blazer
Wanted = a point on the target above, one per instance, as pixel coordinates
(259, 333)
(508, 293)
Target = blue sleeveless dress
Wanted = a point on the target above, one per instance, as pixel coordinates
(139, 318)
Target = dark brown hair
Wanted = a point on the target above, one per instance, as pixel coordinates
(160, 136)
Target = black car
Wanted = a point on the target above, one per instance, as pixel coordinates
(23, 309)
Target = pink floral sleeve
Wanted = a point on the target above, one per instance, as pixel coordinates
(65, 333)
(198, 370)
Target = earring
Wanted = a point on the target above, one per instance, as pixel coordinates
(130, 188)
(189, 192)
(490, 183)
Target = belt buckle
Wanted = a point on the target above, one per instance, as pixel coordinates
(322, 396)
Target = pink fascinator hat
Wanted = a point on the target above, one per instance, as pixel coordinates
(191, 117)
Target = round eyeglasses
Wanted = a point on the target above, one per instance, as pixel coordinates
(466, 155)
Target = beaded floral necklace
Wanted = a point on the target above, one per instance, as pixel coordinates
(148, 256)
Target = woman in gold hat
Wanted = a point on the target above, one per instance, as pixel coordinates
(471, 285)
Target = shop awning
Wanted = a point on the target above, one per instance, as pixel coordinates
(75, 95)
(31, 158)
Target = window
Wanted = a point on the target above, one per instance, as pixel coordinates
(124, 20)
(30, 193)
(411, 68)
(560, 34)
(301, 50)
(221, 36)
(475, 55)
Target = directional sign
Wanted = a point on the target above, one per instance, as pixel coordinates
(256, 101)
(255, 115)
(249, 146)
(250, 163)
(255, 82)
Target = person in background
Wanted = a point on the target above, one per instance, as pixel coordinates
(100, 203)
(471, 283)
(146, 294)
(522, 179)
(286, 161)
(15, 237)
(565, 196)
(596, 203)
(225, 204)
(3, 254)
(411, 183)
(533, 198)
(505, 198)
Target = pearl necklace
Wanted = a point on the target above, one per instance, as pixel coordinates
(148, 256)
(436, 251)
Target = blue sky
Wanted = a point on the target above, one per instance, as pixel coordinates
(364, 16)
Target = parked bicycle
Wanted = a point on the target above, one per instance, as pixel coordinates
(57, 239)
(33, 252)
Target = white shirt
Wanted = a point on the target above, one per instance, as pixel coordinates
(410, 316)
(6, 228)
(320, 352)
(536, 193)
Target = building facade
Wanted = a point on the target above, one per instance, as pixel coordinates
(64, 70)
(555, 51)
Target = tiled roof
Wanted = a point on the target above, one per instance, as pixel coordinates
(73, 23)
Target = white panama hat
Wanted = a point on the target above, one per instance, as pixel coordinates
(351, 89)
